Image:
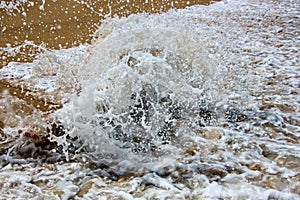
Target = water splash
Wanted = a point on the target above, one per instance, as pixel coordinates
(209, 111)
(139, 84)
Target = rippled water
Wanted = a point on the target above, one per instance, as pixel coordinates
(199, 103)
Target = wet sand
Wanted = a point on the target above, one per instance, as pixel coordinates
(256, 45)
(62, 24)
(55, 25)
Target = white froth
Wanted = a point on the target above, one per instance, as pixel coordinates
(240, 53)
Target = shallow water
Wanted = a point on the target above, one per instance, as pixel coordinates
(27, 26)
(150, 111)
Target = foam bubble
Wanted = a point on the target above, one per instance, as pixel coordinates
(194, 103)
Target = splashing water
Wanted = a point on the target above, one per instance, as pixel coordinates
(194, 103)
(138, 87)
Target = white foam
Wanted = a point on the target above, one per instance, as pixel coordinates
(239, 51)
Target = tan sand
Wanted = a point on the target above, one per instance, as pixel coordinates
(66, 23)
(59, 24)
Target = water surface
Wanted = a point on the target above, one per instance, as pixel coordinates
(198, 103)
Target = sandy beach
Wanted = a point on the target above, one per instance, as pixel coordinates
(194, 103)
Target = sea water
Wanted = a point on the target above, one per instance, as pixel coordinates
(198, 103)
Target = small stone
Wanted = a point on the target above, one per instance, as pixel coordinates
(211, 133)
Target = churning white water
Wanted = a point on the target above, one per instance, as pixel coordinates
(199, 103)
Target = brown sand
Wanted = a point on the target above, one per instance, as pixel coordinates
(66, 23)
(60, 24)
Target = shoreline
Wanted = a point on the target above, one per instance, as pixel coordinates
(65, 24)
